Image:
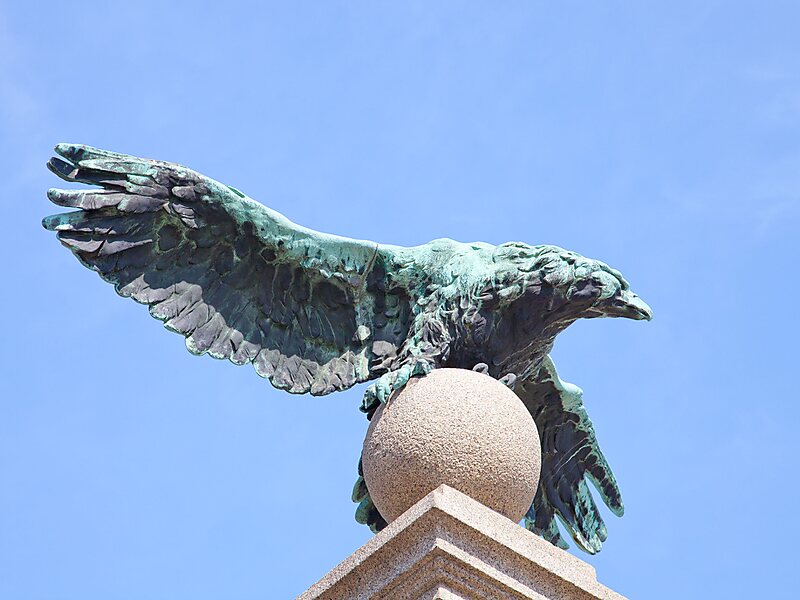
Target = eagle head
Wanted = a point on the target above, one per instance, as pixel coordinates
(593, 289)
(576, 286)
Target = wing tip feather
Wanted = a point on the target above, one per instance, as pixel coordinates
(63, 169)
(59, 222)
(79, 152)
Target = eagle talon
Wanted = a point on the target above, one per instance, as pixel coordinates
(379, 392)
(401, 377)
(508, 380)
(481, 368)
(370, 401)
(421, 367)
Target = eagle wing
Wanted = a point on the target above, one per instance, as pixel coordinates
(570, 456)
(312, 312)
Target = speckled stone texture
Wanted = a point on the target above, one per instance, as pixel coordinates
(454, 427)
(450, 547)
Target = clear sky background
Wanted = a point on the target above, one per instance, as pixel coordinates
(662, 138)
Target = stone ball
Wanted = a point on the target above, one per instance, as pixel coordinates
(454, 427)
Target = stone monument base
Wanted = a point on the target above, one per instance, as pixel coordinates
(450, 547)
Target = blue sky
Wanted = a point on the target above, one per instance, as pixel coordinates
(662, 138)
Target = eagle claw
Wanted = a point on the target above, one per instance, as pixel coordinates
(509, 379)
(380, 391)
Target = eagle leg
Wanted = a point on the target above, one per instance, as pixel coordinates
(379, 392)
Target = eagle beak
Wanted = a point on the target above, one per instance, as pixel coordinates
(627, 304)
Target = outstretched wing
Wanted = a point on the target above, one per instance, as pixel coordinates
(313, 312)
(570, 456)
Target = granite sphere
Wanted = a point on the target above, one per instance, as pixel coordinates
(454, 427)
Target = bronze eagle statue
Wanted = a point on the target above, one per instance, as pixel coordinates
(318, 313)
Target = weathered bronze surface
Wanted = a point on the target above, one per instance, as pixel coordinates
(318, 313)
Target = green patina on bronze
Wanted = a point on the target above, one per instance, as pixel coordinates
(316, 313)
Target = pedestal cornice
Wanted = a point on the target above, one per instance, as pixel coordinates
(449, 546)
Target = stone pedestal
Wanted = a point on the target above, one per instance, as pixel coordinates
(450, 547)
